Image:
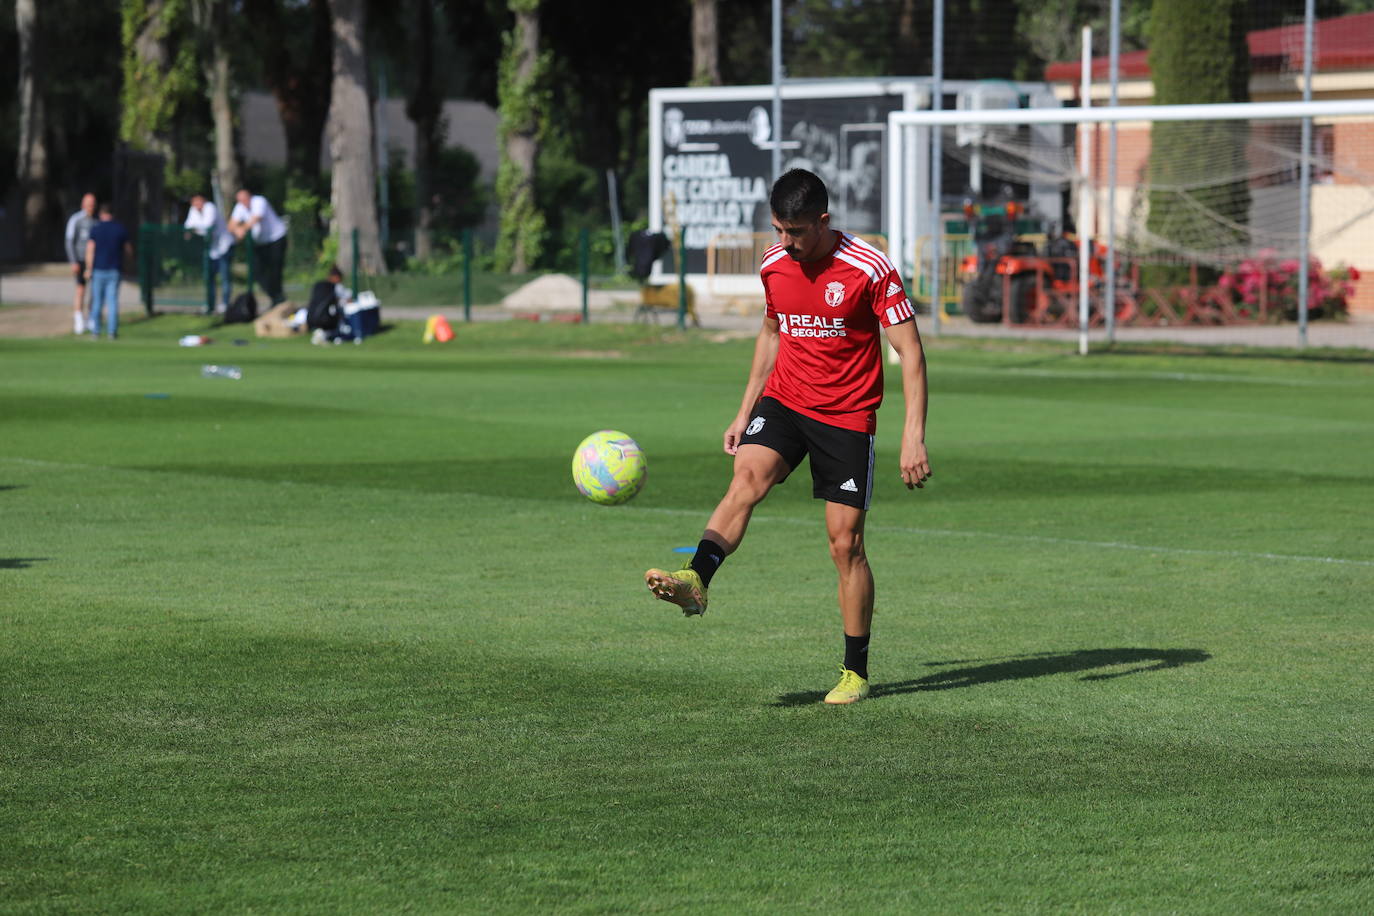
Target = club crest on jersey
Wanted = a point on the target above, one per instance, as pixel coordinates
(834, 293)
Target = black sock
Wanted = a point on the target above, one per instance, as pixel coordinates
(708, 558)
(856, 654)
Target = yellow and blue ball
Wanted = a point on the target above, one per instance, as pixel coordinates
(609, 467)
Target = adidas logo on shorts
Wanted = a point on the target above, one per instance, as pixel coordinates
(849, 486)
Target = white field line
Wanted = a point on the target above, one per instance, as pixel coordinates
(1044, 539)
(891, 529)
(1145, 376)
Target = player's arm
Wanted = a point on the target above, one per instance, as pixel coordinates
(915, 463)
(765, 354)
(90, 256)
(76, 257)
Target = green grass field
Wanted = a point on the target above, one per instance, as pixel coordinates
(341, 636)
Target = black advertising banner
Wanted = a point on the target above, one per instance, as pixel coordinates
(717, 162)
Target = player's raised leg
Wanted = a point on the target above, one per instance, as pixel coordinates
(844, 527)
(758, 469)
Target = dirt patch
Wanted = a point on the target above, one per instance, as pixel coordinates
(592, 354)
(35, 320)
(50, 320)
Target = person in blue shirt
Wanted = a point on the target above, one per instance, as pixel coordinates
(105, 251)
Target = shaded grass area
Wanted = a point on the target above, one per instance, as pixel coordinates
(341, 635)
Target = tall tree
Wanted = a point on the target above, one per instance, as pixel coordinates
(1198, 54)
(212, 20)
(523, 111)
(705, 44)
(295, 44)
(32, 170)
(160, 74)
(354, 187)
(424, 108)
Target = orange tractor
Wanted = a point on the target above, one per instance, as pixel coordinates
(1007, 279)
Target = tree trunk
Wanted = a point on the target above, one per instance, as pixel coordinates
(212, 20)
(424, 109)
(301, 85)
(33, 145)
(150, 91)
(522, 108)
(705, 45)
(354, 191)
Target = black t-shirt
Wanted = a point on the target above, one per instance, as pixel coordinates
(323, 310)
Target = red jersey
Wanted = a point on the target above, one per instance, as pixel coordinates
(829, 364)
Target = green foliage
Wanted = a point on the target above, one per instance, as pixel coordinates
(309, 247)
(1198, 54)
(153, 93)
(524, 102)
(182, 183)
(460, 198)
(1046, 25)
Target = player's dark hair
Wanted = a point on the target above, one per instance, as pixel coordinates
(106, 209)
(799, 194)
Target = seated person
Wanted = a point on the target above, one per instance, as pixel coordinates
(324, 315)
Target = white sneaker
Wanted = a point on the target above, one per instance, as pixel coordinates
(319, 336)
(78, 323)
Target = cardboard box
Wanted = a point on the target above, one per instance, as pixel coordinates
(277, 322)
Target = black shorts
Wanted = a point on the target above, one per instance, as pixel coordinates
(841, 459)
(80, 275)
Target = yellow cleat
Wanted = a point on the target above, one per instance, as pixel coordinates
(682, 588)
(850, 689)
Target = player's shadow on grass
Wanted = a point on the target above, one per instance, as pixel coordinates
(1097, 662)
(20, 562)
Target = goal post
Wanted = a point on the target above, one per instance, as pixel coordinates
(1227, 203)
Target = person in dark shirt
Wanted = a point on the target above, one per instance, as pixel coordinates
(105, 251)
(324, 315)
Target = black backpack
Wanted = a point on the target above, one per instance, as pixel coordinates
(243, 309)
(323, 309)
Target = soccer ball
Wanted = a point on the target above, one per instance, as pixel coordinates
(609, 467)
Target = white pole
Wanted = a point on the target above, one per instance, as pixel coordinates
(777, 89)
(614, 199)
(1084, 188)
(1114, 74)
(937, 99)
(1220, 111)
(1305, 179)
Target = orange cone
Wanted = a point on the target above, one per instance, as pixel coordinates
(442, 332)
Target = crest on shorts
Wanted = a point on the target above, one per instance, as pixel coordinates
(834, 293)
(755, 425)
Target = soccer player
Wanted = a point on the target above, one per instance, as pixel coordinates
(814, 385)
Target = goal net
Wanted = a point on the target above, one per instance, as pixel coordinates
(1194, 214)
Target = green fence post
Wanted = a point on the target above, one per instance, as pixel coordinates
(150, 264)
(467, 275)
(355, 260)
(209, 277)
(682, 279)
(143, 282)
(585, 241)
(251, 257)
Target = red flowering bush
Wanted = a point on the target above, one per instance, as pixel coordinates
(1265, 281)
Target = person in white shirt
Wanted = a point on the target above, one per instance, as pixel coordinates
(252, 213)
(78, 231)
(205, 221)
